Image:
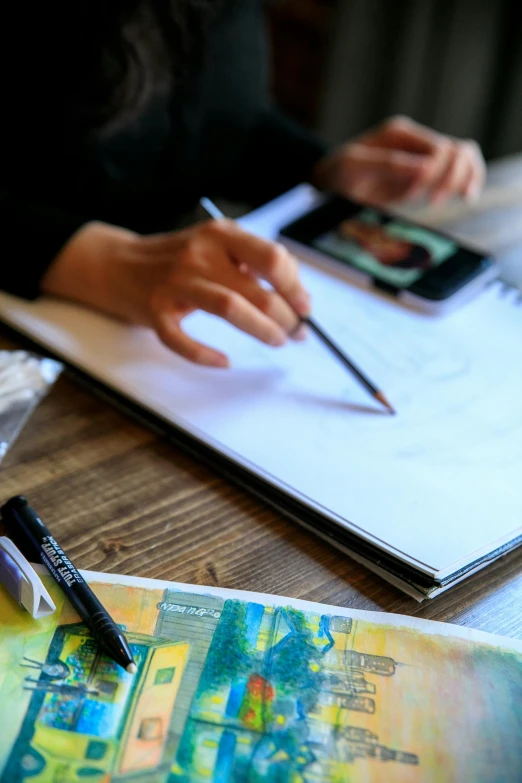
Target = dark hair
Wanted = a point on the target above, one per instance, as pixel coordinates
(419, 257)
(131, 48)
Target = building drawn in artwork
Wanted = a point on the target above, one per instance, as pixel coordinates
(355, 742)
(87, 717)
(226, 690)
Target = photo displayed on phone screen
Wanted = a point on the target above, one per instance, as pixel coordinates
(386, 248)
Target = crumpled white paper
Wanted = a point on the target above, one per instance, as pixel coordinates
(25, 379)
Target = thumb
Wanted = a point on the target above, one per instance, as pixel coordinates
(356, 170)
(378, 175)
(379, 160)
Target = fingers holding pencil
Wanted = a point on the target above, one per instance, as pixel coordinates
(291, 289)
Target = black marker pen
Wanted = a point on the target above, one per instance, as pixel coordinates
(25, 527)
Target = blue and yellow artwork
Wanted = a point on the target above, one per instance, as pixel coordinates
(242, 688)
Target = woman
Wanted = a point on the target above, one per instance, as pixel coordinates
(123, 113)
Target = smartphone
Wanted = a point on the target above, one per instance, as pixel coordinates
(423, 268)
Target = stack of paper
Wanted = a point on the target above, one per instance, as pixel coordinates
(424, 498)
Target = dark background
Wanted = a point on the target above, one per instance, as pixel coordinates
(340, 66)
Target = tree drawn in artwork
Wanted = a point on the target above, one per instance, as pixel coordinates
(295, 661)
(228, 653)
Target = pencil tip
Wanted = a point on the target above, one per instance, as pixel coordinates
(382, 399)
(132, 668)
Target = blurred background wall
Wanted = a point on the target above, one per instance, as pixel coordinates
(340, 66)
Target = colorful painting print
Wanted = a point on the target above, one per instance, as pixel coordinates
(244, 688)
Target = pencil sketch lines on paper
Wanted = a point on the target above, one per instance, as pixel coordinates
(486, 422)
(226, 690)
(412, 351)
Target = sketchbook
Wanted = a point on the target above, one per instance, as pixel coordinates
(424, 498)
(237, 687)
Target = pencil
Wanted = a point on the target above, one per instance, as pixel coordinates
(376, 393)
(215, 213)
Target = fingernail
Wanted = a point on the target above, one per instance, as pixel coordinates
(473, 193)
(278, 339)
(221, 361)
(302, 304)
(300, 334)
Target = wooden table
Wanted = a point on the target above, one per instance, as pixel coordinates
(121, 499)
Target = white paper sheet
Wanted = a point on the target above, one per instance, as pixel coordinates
(439, 484)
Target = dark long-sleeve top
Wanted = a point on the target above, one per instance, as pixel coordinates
(215, 133)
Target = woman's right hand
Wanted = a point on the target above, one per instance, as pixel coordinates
(157, 280)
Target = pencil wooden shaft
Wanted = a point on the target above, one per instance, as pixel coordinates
(342, 356)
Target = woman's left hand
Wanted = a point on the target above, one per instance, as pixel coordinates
(401, 160)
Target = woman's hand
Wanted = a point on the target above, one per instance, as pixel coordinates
(158, 280)
(401, 160)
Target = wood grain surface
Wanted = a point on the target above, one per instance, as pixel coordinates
(119, 498)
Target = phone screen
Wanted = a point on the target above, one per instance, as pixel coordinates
(388, 249)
